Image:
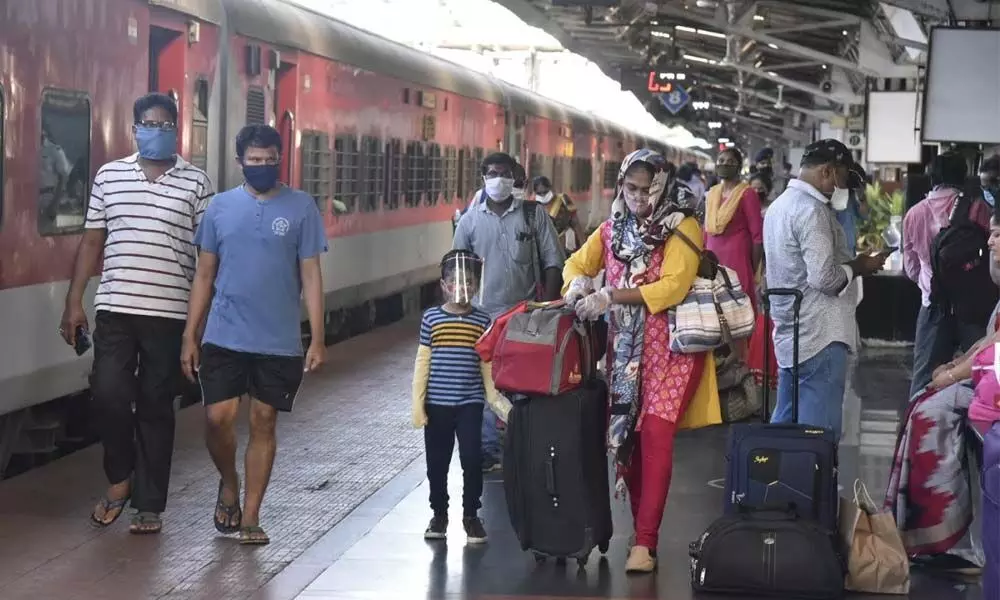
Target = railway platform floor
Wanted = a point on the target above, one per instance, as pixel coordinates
(347, 507)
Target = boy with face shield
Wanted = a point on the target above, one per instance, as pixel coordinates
(450, 386)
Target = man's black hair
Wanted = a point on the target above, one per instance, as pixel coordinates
(541, 180)
(991, 165)
(154, 100)
(949, 168)
(448, 265)
(257, 136)
(498, 158)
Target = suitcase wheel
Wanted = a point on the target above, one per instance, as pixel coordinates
(561, 561)
(603, 546)
(539, 558)
(581, 563)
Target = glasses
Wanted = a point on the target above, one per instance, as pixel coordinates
(161, 125)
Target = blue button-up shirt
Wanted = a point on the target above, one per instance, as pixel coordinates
(508, 274)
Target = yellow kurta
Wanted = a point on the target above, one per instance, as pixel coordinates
(679, 270)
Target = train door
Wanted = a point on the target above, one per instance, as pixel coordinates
(286, 89)
(167, 70)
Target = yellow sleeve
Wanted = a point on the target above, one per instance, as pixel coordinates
(421, 373)
(498, 402)
(588, 260)
(680, 267)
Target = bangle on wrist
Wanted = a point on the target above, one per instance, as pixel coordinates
(951, 376)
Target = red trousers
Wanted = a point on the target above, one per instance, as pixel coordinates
(648, 477)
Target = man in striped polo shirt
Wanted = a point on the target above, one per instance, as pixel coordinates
(142, 215)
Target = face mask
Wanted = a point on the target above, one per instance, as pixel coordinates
(727, 171)
(765, 171)
(839, 198)
(262, 178)
(636, 202)
(499, 188)
(518, 193)
(544, 199)
(155, 143)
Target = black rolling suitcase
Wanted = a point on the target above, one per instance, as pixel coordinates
(783, 466)
(778, 537)
(555, 472)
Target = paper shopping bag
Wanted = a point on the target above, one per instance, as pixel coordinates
(876, 559)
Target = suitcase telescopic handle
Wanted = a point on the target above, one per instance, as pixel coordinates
(796, 296)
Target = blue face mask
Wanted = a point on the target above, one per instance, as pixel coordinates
(262, 178)
(155, 143)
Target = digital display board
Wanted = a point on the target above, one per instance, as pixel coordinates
(663, 81)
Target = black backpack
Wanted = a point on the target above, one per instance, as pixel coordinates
(960, 281)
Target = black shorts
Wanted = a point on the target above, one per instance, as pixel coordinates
(227, 374)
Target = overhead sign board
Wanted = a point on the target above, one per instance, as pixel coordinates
(674, 100)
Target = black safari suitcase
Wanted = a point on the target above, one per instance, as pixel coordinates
(555, 473)
(767, 553)
(783, 466)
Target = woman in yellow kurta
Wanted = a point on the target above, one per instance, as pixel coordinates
(654, 392)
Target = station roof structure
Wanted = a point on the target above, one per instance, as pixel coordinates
(770, 68)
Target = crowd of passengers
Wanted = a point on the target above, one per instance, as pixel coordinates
(634, 266)
(180, 294)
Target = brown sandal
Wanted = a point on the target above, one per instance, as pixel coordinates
(253, 535)
(144, 523)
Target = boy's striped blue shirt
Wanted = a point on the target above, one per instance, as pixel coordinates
(455, 377)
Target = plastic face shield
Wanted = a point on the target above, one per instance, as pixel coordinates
(463, 279)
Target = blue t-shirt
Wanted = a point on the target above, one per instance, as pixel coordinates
(258, 290)
(455, 376)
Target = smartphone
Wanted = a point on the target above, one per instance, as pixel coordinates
(81, 342)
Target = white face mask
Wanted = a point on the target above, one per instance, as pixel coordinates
(544, 199)
(636, 202)
(840, 197)
(518, 193)
(499, 188)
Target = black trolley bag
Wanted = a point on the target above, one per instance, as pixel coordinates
(778, 536)
(555, 471)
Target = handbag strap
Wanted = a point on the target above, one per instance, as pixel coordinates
(708, 263)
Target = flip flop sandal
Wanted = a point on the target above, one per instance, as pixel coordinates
(232, 512)
(252, 535)
(109, 505)
(145, 523)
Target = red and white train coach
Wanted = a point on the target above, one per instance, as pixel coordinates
(394, 134)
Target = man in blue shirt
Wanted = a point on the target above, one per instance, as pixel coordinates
(260, 245)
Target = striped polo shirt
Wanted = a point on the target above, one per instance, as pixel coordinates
(455, 377)
(149, 254)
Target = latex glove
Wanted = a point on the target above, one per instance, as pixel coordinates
(421, 373)
(593, 306)
(498, 402)
(578, 288)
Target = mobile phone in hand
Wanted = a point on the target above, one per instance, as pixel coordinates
(81, 341)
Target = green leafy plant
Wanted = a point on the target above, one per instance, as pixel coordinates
(882, 207)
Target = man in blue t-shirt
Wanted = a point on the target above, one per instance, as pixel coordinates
(260, 245)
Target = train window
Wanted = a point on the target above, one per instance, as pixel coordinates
(372, 173)
(346, 182)
(557, 175)
(610, 174)
(256, 107)
(406, 95)
(199, 125)
(463, 172)
(416, 176)
(477, 168)
(64, 162)
(434, 174)
(450, 173)
(315, 165)
(393, 173)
